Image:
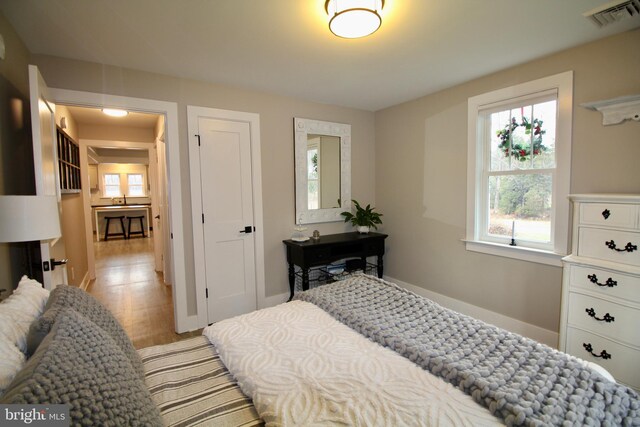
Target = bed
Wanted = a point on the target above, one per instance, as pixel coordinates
(357, 352)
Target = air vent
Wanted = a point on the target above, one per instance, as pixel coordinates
(613, 12)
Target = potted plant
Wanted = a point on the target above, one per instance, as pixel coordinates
(364, 218)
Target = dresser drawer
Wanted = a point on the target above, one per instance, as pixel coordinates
(609, 245)
(318, 255)
(604, 282)
(605, 318)
(609, 215)
(624, 363)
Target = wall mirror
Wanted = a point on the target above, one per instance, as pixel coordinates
(323, 170)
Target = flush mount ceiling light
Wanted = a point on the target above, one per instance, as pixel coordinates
(352, 19)
(114, 112)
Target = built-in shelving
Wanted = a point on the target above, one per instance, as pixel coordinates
(68, 163)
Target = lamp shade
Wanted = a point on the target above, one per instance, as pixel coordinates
(29, 218)
(353, 19)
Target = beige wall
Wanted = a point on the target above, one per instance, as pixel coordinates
(74, 238)
(116, 133)
(72, 128)
(16, 154)
(276, 122)
(421, 149)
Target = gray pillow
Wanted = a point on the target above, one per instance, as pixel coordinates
(80, 365)
(68, 297)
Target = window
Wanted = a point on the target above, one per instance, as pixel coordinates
(135, 182)
(122, 179)
(112, 185)
(518, 170)
(312, 178)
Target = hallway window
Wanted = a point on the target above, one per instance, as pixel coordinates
(112, 185)
(135, 182)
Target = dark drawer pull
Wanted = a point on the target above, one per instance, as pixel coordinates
(602, 354)
(629, 247)
(607, 318)
(606, 214)
(610, 282)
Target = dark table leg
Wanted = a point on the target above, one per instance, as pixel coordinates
(292, 280)
(380, 267)
(305, 279)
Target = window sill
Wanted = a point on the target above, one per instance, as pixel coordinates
(516, 252)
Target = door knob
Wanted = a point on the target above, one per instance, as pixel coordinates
(157, 217)
(55, 262)
(247, 229)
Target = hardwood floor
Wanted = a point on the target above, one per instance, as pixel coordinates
(128, 285)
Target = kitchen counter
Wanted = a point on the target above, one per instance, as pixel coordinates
(121, 209)
(117, 206)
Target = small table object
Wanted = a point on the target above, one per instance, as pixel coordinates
(120, 209)
(330, 248)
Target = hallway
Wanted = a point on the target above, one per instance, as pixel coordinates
(128, 285)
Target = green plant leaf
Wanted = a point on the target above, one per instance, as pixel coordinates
(363, 216)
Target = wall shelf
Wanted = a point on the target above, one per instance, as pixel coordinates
(68, 163)
(617, 110)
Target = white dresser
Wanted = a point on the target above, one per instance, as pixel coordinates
(600, 316)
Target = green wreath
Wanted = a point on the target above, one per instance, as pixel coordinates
(518, 151)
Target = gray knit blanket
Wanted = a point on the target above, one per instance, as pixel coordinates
(519, 380)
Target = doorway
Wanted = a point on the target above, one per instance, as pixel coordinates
(175, 248)
(122, 201)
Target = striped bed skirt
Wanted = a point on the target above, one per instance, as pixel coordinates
(191, 386)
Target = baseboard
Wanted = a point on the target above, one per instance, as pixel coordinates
(85, 282)
(537, 333)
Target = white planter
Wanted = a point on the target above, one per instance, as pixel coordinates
(362, 229)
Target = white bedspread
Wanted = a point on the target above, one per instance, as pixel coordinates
(302, 367)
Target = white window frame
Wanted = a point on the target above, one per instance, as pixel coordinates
(123, 176)
(106, 186)
(143, 185)
(563, 84)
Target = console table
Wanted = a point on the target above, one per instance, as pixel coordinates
(118, 209)
(330, 248)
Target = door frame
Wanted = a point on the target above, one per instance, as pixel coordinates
(253, 120)
(183, 321)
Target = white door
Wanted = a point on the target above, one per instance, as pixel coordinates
(227, 207)
(45, 165)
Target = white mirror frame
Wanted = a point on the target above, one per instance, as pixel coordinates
(302, 128)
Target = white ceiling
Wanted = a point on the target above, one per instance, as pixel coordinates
(285, 47)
